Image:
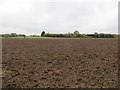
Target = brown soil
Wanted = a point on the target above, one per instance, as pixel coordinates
(73, 63)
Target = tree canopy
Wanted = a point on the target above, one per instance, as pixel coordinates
(76, 32)
(43, 33)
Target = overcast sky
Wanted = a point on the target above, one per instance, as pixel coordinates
(58, 16)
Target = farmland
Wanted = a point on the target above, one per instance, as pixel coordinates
(62, 63)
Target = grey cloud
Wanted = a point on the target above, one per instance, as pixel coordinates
(31, 17)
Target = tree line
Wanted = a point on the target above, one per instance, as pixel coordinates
(75, 34)
(12, 35)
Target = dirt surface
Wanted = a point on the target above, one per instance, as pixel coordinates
(72, 63)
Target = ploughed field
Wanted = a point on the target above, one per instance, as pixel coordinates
(62, 63)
